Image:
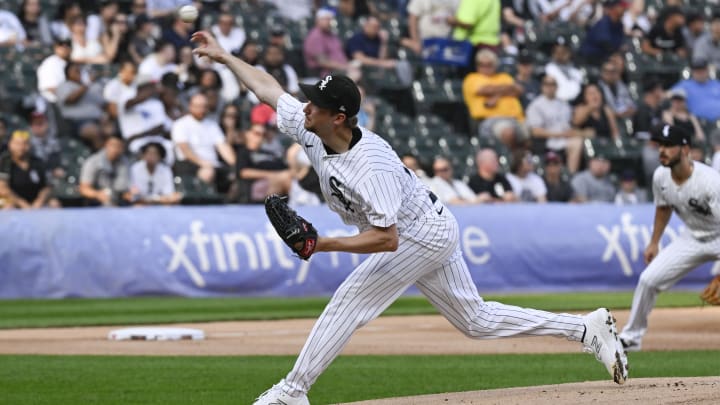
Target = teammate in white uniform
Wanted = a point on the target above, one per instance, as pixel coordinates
(411, 236)
(692, 190)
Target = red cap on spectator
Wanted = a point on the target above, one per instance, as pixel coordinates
(263, 114)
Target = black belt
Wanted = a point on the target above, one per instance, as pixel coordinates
(433, 197)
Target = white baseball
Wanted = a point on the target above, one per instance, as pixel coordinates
(188, 13)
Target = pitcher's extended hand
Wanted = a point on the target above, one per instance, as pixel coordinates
(208, 46)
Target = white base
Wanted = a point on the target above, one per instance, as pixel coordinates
(156, 333)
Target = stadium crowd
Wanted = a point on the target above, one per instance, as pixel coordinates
(102, 103)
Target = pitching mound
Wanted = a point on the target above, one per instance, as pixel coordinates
(676, 390)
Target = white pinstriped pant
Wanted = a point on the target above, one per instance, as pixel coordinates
(429, 257)
(670, 265)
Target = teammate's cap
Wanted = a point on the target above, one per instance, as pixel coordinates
(670, 135)
(334, 92)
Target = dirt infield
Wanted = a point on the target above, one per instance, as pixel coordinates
(670, 329)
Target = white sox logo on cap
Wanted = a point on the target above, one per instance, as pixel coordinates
(324, 82)
(666, 131)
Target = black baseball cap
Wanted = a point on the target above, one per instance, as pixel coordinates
(670, 135)
(334, 92)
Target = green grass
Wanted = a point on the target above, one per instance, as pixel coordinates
(110, 380)
(144, 310)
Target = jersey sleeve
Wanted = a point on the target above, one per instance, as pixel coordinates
(291, 118)
(381, 199)
(660, 200)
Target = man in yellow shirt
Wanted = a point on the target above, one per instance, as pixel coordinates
(493, 100)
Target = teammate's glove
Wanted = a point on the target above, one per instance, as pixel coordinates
(294, 230)
(711, 293)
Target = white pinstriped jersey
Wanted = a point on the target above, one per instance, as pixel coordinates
(696, 201)
(368, 185)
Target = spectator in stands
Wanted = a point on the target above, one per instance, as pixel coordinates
(447, 188)
(594, 116)
(703, 93)
(516, 14)
(229, 36)
(105, 176)
(428, 19)
(260, 172)
(323, 49)
(413, 163)
(493, 100)
(629, 193)
(22, 176)
(142, 118)
(693, 30)
(116, 88)
(250, 52)
(649, 110)
(231, 124)
(137, 8)
(86, 50)
(67, 11)
(296, 10)
(273, 62)
(198, 142)
(615, 92)
(369, 45)
(293, 55)
(525, 77)
(166, 8)
(635, 20)
(549, 121)
(666, 35)
(35, 23)
(607, 35)
(677, 114)
(708, 45)
(152, 181)
(207, 79)
(170, 98)
(525, 183)
(159, 62)
(81, 105)
(44, 144)
(647, 117)
(51, 72)
(355, 9)
(556, 182)
(582, 13)
(12, 32)
(593, 184)
(178, 33)
(143, 42)
(99, 23)
(568, 77)
(187, 71)
(115, 39)
(489, 184)
(477, 22)
(305, 185)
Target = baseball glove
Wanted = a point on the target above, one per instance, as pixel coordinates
(711, 293)
(294, 230)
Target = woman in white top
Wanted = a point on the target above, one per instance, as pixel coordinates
(448, 189)
(84, 50)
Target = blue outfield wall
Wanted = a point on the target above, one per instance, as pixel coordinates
(232, 250)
